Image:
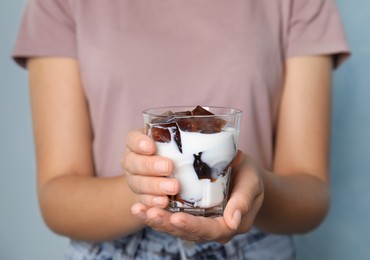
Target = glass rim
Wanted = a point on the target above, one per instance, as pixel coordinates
(231, 111)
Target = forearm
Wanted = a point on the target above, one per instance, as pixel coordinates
(88, 208)
(292, 204)
(297, 196)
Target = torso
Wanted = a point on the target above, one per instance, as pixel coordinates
(139, 54)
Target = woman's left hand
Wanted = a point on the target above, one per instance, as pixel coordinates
(247, 192)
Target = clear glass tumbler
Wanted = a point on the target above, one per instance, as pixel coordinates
(202, 143)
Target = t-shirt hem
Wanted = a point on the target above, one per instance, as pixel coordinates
(340, 53)
(21, 56)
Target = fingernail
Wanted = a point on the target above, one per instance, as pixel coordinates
(167, 187)
(161, 166)
(158, 201)
(236, 219)
(140, 214)
(144, 146)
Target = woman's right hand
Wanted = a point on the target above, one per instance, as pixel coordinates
(148, 174)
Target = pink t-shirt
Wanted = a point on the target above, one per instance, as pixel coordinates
(139, 54)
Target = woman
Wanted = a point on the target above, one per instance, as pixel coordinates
(95, 65)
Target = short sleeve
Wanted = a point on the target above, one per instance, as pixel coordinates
(47, 29)
(315, 28)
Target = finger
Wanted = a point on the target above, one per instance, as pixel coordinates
(197, 228)
(238, 206)
(139, 210)
(146, 165)
(154, 201)
(138, 142)
(159, 219)
(247, 219)
(156, 218)
(153, 185)
(242, 199)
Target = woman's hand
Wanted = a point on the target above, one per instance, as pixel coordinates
(245, 200)
(146, 173)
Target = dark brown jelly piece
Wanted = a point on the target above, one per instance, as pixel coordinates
(183, 113)
(200, 111)
(161, 133)
(172, 121)
(166, 117)
(206, 125)
(189, 124)
(201, 125)
(170, 116)
(201, 168)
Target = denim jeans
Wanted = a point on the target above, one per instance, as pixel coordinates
(148, 244)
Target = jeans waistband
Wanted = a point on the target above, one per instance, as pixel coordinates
(150, 244)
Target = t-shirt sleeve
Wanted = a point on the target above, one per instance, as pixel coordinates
(315, 28)
(47, 29)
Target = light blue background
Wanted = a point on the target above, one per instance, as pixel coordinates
(345, 235)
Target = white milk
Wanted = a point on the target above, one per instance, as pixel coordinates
(218, 150)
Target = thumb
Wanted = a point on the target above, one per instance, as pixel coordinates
(238, 205)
